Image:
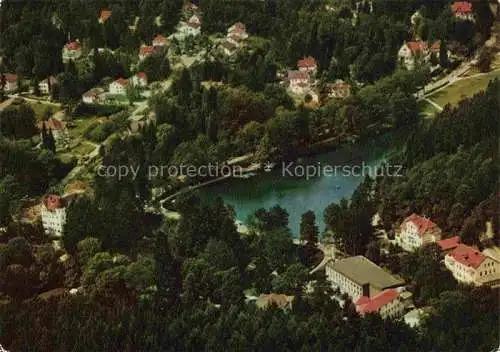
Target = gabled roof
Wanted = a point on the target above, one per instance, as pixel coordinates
(449, 243)
(146, 50)
(194, 19)
(72, 46)
(93, 92)
(280, 300)
(306, 62)
(160, 39)
(53, 202)
(104, 15)
(10, 77)
(367, 305)
(461, 8)
(194, 25)
(52, 124)
(238, 27)
(142, 75)
(121, 81)
(467, 256)
(298, 75)
(423, 224)
(416, 45)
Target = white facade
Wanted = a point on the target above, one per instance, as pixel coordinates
(344, 284)
(53, 219)
(139, 80)
(473, 268)
(118, 87)
(416, 232)
(71, 51)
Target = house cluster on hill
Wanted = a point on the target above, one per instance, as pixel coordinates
(236, 34)
(300, 80)
(118, 87)
(158, 44)
(413, 53)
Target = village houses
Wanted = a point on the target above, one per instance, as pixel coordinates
(53, 212)
(71, 51)
(307, 64)
(415, 52)
(92, 96)
(470, 266)
(145, 51)
(299, 81)
(160, 41)
(10, 82)
(193, 26)
(416, 231)
(118, 87)
(140, 79)
(46, 85)
(449, 244)
(462, 10)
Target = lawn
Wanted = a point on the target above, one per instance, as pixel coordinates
(41, 108)
(80, 126)
(426, 109)
(463, 88)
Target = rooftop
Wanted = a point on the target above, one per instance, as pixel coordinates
(72, 46)
(372, 305)
(449, 243)
(298, 75)
(467, 256)
(53, 202)
(461, 7)
(104, 15)
(363, 271)
(280, 300)
(423, 224)
(416, 45)
(307, 62)
(10, 77)
(52, 124)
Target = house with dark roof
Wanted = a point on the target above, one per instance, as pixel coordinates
(358, 276)
(468, 265)
(416, 231)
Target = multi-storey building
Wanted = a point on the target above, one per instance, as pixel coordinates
(416, 231)
(53, 215)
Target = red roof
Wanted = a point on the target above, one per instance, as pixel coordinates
(105, 15)
(72, 46)
(423, 224)
(298, 75)
(367, 305)
(121, 81)
(160, 39)
(142, 75)
(10, 77)
(449, 243)
(461, 8)
(417, 45)
(52, 124)
(237, 28)
(307, 62)
(468, 256)
(52, 202)
(94, 92)
(53, 80)
(435, 47)
(146, 50)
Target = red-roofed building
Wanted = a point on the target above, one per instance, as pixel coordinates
(449, 244)
(387, 303)
(104, 15)
(307, 64)
(92, 95)
(10, 81)
(145, 51)
(237, 30)
(53, 213)
(46, 85)
(416, 231)
(470, 266)
(299, 81)
(140, 79)
(462, 10)
(119, 86)
(71, 51)
(160, 41)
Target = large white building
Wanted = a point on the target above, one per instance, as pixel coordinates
(470, 266)
(299, 81)
(46, 85)
(71, 51)
(386, 303)
(53, 215)
(462, 10)
(358, 276)
(416, 231)
(118, 87)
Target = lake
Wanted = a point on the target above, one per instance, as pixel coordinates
(332, 176)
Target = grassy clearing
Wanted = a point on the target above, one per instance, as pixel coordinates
(463, 88)
(427, 110)
(41, 108)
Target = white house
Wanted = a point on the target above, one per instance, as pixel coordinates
(411, 53)
(10, 82)
(358, 276)
(386, 303)
(299, 81)
(462, 10)
(71, 51)
(470, 266)
(307, 64)
(237, 30)
(92, 95)
(416, 231)
(53, 213)
(45, 85)
(140, 79)
(118, 87)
